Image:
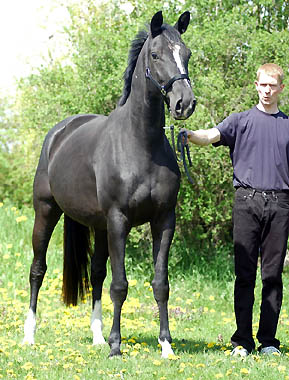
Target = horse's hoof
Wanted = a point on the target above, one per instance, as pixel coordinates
(28, 340)
(98, 340)
(115, 353)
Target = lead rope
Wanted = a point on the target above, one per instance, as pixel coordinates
(183, 148)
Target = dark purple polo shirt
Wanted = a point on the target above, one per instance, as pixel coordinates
(259, 148)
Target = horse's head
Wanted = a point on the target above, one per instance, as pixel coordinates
(167, 65)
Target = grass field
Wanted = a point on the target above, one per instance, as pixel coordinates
(201, 322)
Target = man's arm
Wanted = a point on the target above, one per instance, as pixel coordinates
(204, 136)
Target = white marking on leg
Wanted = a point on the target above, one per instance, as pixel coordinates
(96, 324)
(166, 349)
(29, 328)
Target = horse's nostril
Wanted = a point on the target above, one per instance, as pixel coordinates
(194, 105)
(179, 106)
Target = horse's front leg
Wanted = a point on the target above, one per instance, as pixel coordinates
(117, 230)
(162, 228)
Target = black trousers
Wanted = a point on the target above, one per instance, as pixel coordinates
(261, 221)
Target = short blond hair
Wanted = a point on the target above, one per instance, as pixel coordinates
(271, 69)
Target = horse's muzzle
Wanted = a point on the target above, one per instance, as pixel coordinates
(183, 108)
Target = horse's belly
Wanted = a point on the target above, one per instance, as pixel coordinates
(74, 190)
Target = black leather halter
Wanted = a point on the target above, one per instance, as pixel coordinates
(165, 89)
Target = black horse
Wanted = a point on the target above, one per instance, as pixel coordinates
(110, 173)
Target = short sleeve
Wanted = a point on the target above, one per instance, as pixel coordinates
(227, 129)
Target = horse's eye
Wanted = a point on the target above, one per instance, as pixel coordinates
(155, 56)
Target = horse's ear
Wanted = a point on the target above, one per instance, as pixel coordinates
(183, 22)
(156, 24)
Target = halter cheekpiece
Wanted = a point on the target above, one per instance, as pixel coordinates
(165, 89)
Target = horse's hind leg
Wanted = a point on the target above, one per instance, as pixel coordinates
(162, 231)
(47, 214)
(98, 274)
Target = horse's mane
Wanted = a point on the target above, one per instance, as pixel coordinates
(134, 52)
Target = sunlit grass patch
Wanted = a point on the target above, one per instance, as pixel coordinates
(200, 312)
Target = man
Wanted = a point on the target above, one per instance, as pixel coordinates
(259, 148)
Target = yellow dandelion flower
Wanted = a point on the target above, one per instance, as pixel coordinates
(132, 282)
(211, 298)
(8, 246)
(173, 357)
(20, 219)
(200, 365)
(157, 362)
(281, 368)
(244, 371)
(219, 375)
(27, 366)
(1, 204)
(6, 256)
(211, 344)
(229, 372)
(134, 353)
(147, 284)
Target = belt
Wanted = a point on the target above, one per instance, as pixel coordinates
(268, 192)
(265, 194)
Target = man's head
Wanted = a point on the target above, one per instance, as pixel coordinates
(272, 70)
(269, 85)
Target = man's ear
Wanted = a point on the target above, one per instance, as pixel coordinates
(156, 24)
(183, 22)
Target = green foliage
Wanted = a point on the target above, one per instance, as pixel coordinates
(228, 40)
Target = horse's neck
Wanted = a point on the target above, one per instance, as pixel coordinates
(147, 113)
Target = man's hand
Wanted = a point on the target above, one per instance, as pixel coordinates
(189, 134)
(203, 136)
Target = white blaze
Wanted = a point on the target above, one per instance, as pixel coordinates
(176, 54)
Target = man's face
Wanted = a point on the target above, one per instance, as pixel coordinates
(268, 88)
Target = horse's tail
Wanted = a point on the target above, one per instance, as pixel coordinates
(76, 261)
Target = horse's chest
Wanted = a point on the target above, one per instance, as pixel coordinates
(153, 191)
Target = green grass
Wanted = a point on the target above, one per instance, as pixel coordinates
(200, 308)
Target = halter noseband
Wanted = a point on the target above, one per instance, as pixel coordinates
(165, 89)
